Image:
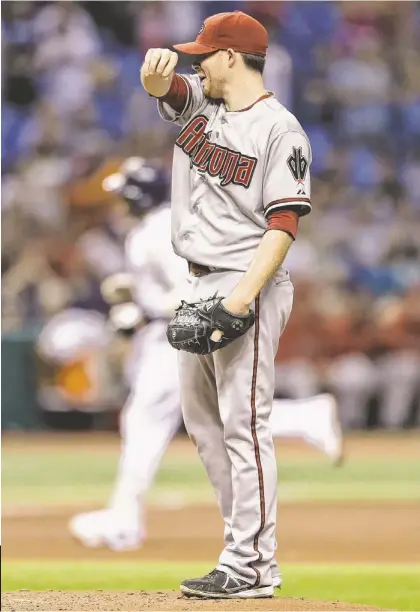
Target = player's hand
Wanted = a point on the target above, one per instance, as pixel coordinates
(237, 308)
(157, 71)
(118, 288)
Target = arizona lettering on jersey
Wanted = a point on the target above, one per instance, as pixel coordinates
(213, 159)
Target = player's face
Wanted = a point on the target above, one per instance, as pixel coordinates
(210, 69)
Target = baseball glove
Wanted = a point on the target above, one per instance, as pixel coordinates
(193, 324)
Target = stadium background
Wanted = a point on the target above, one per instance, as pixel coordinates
(72, 109)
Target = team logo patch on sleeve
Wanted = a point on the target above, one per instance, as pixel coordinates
(298, 166)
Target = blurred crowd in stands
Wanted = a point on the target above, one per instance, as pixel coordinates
(73, 108)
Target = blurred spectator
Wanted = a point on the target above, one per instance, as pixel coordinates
(361, 84)
(411, 175)
(153, 27)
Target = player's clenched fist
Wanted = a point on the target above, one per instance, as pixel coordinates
(157, 70)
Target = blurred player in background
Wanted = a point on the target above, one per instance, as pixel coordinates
(144, 299)
(152, 414)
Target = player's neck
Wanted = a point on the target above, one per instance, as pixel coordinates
(243, 91)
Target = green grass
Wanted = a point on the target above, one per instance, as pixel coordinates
(385, 586)
(74, 477)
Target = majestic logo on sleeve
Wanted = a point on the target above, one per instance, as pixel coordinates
(213, 159)
(298, 166)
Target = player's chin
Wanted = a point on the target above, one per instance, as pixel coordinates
(206, 87)
(210, 93)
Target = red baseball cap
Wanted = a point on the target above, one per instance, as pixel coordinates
(237, 31)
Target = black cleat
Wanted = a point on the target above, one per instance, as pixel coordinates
(219, 585)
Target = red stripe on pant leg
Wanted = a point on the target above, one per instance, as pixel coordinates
(255, 439)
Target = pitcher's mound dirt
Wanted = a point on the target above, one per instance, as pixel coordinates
(154, 600)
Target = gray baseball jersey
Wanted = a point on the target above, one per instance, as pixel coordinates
(231, 172)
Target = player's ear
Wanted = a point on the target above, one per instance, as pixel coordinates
(231, 57)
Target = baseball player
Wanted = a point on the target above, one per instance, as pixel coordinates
(240, 183)
(153, 413)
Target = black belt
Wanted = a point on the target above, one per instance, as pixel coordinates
(199, 270)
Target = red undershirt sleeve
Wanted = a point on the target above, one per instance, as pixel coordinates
(178, 93)
(286, 221)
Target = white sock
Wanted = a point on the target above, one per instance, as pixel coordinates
(303, 418)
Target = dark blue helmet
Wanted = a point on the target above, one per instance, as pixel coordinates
(141, 183)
